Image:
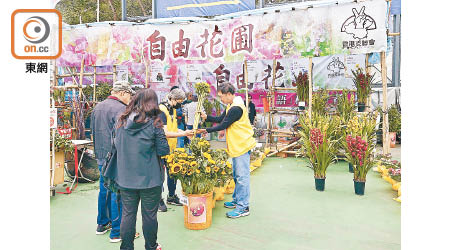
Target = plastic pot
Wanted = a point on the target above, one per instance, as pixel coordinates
(361, 107)
(320, 184)
(359, 187)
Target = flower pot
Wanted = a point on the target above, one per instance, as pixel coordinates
(350, 168)
(198, 214)
(392, 139)
(229, 188)
(219, 193)
(359, 187)
(301, 106)
(320, 184)
(361, 107)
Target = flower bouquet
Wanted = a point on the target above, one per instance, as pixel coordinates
(302, 84)
(362, 83)
(199, 169)
(202, 89)
(320, 139)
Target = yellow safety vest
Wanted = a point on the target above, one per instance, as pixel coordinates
(239, 136)
(172, 125)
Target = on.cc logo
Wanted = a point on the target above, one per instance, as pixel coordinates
(36, 34)
(36, 29)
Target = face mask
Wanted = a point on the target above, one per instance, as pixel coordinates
(177, 106)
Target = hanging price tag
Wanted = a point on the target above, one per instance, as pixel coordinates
(184, 200)
(53, 117)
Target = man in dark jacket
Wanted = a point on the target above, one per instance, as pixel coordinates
(251, 110)
(103, 118)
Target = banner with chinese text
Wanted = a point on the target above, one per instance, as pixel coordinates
(353, 28)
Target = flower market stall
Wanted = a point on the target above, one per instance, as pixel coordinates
(305, 65)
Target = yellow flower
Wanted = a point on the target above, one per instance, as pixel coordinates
(208, 170)
(184, 155)
(183, 170)
(169, 158)
(197, 171)
(223, 172)
(175, 168)
(190, 171)
(216, 169)
(229, 164)
(180, 149)
(211, 161)
(205, 154)
(193, 164)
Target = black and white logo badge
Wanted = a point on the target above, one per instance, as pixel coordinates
(359, 24)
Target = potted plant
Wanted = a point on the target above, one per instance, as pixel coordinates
(395, 123)
(62, 146)
(362, 83)
(346, 105)
(319, 102)
(353, 127)
(302, 84)
(222, 172)
(345, 110)
(319, 144)
(199, 170)
(360, 145)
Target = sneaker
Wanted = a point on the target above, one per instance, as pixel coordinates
(102, 229)
(174, 200)
(229, 204)
(238, 213)
(118, 239)
(158, 247)
(115, 240)
(162, 206)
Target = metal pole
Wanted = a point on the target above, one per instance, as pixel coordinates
(124, 10)
(385, 115)
(396, 53)
(154, 9)
(310, 87)
(98, 10)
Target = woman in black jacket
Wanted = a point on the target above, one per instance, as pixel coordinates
(140, 143)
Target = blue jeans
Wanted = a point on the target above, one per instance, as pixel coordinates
(108, 208)
(241, 175)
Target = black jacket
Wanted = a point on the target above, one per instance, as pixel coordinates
(139, 148)
(103, 118)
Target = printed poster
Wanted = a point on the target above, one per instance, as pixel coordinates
(197, 210)
(122, 73)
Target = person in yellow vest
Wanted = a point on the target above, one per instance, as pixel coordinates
(169, 118)
(239, 139)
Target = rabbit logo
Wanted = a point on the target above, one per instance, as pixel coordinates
(335, 65)
(358, 24)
